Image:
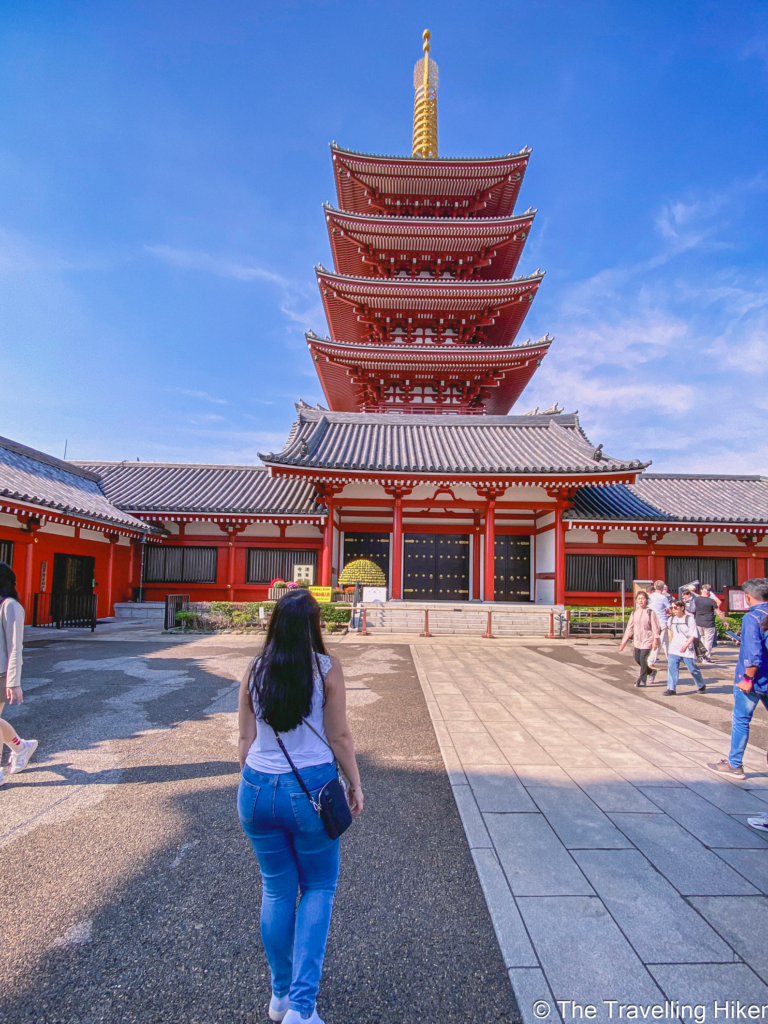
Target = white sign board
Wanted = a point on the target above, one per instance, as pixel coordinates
(304, 572)
(374, 594)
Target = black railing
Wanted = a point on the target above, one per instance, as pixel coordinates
(68, 610)
(175, 603)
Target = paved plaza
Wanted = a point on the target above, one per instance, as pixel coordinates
(615, 866)
(569, 840)
(135, 893)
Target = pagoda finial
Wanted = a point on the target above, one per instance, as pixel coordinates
(425, 76)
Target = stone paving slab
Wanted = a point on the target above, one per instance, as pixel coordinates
(631, 867)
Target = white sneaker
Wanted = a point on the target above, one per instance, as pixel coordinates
(278, 1007)
(294, 1017)
(20, 759)
(760, 822)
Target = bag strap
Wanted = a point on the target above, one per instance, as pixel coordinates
(295, 771)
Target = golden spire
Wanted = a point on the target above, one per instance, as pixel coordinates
(425, 104)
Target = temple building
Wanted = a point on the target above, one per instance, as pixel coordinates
(419, 459)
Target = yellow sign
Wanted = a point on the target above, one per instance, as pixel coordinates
(322, 594)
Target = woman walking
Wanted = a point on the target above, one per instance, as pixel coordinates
(683, 634)
(294, 690)
(11, 640)
(643, 629)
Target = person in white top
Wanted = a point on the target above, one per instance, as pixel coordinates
(11, 641)
(659, 602)
(297, 691)
(683, 633)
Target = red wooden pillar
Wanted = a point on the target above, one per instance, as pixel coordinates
(231, 531)
(112, 538)
(398, 493)
(476, 561)
(559, 555)
(490, 549)
(328, 545)
(30, 524)
(397, 549)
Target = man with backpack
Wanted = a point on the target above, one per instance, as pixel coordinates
(750, 684)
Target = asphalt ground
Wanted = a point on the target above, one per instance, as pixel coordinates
(713, 707)
(130, 893)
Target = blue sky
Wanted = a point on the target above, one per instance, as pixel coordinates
(162, 167)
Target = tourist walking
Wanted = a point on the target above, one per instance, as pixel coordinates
(293, 706)
(750, 686)
(682, 633)
(643, 630)
(706, 607)
(660, 602)
(11, 641)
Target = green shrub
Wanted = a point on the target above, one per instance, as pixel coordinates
(338, 614)
(734, 623)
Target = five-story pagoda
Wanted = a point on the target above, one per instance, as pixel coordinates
(416, 461)
(422, 306)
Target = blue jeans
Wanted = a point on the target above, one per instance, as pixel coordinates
(295, 855)
(744, 705)
(673, 671)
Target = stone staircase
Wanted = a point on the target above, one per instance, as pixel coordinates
(460, 619)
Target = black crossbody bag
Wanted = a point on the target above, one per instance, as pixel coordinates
(332, 803)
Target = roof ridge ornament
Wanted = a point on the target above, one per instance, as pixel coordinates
(425, 80)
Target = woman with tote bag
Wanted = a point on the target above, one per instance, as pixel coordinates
(11, 641)
(291, 804)
(643, 628)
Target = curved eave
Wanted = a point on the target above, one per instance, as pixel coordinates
(431, 161)
(495, 181)
(358, 240)
(445, 357)
(421, 299)
(54, 512)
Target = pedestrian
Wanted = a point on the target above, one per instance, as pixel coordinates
(706, 607)
(750, 686)
(682, 632)
(294, 693)
(660, 602)
(11, 641)
(643, 630)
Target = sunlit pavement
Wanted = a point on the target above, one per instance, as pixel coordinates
(131, 892)
(617, 869)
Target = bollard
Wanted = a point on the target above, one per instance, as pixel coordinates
(426, 624)
(551, 633)
(364, 630)
(567, 622)
(488, 634)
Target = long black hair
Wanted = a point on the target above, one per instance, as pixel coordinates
(281, 679)
(7, 582)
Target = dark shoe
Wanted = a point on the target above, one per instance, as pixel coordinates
(724, 767)
(701, 689)
(669, 693)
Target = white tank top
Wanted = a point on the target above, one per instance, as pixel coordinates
(306, 749)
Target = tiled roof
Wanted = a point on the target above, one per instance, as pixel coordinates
(399, 241)
(678, 497)
(34, 478)
(488, 186)
(404, 443)
(152, 487)
(356, 306)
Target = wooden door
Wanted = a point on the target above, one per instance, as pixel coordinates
(512, 576)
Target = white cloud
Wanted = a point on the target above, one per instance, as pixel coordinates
(295, 304)
(660, 357)
(199, 394)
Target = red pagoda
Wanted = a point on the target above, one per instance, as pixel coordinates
(423, 308)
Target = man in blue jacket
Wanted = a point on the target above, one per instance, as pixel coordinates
(750, 681)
